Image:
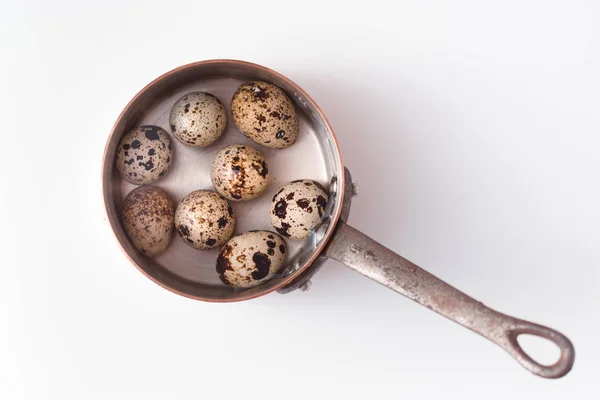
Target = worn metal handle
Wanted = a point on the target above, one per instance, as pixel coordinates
(366, 256)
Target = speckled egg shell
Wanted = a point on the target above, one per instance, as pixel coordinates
(297, 208)
(144, 155)
(204, 219)
(198, 119)
(239, 172)
(265, 114)
(251, 258)
(148, 219)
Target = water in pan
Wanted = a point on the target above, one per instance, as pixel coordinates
(190, 170)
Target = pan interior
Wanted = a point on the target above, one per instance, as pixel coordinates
(314, 156)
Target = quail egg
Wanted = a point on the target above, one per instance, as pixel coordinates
(204, 219)
(251, 258)
(148, 219)
(198, 119)
(239, 172)
(297, 208)
(144, 154)
(265, 114)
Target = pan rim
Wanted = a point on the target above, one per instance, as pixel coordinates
(106, 180)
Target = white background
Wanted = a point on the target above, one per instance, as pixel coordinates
(472, 128)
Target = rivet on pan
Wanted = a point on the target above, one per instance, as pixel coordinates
(289, 269)
(320, 232)
(355, 189)
(333, 186)
(330, 206)
(305, 286)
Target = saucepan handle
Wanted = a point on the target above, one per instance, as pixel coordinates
(366, 256)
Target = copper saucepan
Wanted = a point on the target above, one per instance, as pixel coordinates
(316, 155)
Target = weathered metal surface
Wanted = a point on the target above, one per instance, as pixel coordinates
(366, 256)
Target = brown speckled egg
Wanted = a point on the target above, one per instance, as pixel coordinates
(144, 154)
(198, 119)
(148, 219)
(298, 208)
(251, 258)
(204, 219)
(265, 114)
(239, 172)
